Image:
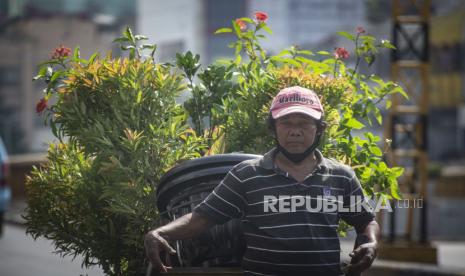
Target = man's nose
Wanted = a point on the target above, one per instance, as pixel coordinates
(295, 131)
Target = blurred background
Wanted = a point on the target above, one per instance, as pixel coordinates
(31, 29)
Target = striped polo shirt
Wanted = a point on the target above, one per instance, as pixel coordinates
(282, 238)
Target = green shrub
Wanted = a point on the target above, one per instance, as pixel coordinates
(351, 101)
(120, 130)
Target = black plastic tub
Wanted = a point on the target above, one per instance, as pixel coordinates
(185, 186)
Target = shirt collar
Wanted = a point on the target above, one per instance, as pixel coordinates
(267, 161)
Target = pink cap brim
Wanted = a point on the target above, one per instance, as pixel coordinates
(296, 109)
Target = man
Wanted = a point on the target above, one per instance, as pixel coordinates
(277, 198)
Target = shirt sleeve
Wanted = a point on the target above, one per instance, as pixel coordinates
(360, 211)
(225, 202)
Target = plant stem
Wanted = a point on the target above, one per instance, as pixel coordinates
(355, 69)
(197, 108)
(358, 58)
(335, 66)
(210, 133)
(381, 98)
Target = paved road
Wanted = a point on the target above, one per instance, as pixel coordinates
(20, 255)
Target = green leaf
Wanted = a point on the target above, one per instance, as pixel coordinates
(305, 60)
(369, 58)
(400, 90)
(139, 97)
(379, 116)
(291, 61)
(395, 192)
(323, 53)
(376, 79)
(83, 108)
(387, 44)
(397, 171)
(238, 49)
(147, 46)
(56, 75)
(388, 104)
(41, 73)
(238, 59)
(237, 29)
(367, 39)
(370, 136)
(267, 29)
(92, 58)
(347, 35)
(359, 141)
(354, 123)
(129, 36)
(375, 150)
(121, 39)
(127, 47)
(223, 30)
(305, 52)
(54, 129)
(76, 53)
(152, 53)
(284, 53)
(140, 37)
(367, 173)
(246, 19)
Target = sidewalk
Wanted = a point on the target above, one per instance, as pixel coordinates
(450, 261)
(13, 214)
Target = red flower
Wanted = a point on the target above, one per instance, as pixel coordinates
(341, 53)
(61, 52)
(241, 24)
(360, 30)
(261, 16)
(41, 105)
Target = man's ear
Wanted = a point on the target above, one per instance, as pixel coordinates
(321, 127)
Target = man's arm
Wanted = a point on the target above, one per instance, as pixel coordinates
(366, 246)
(370, 230)
(225, 202)
(185, 227)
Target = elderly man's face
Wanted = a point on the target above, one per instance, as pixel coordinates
(296, 132)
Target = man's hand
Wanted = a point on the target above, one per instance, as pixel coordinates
(362, 257)
(185, 227)
(155, 244)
